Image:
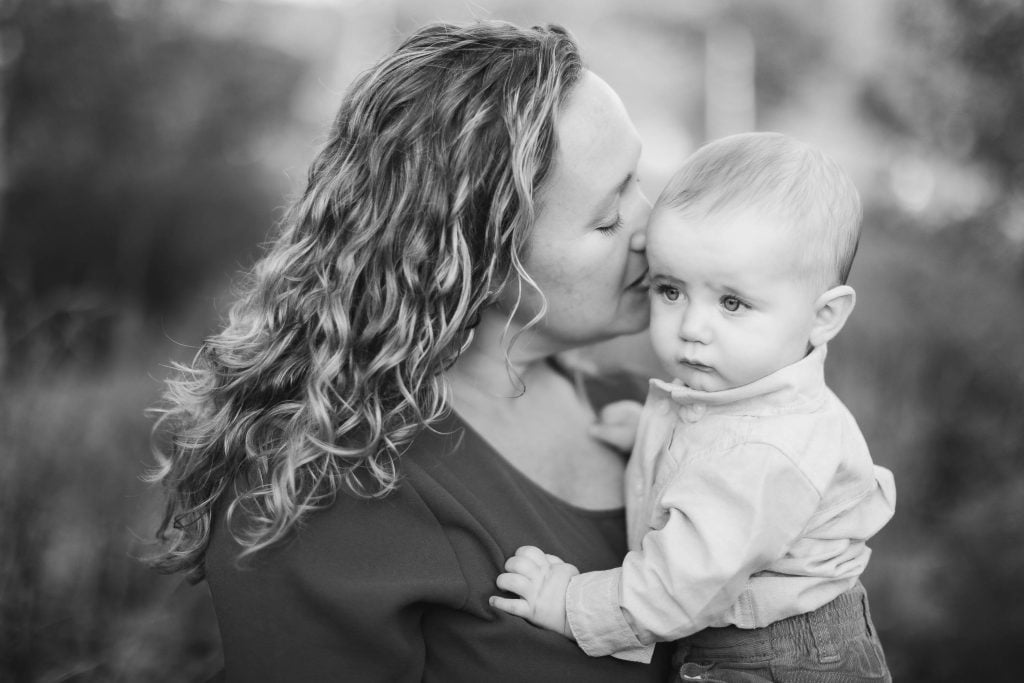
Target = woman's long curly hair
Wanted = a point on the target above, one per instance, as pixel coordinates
(415, 216)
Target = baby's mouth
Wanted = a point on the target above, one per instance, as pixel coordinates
(694, 365)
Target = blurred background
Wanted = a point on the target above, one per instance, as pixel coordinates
(147, 147)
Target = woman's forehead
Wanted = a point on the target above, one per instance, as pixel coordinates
(598, 146)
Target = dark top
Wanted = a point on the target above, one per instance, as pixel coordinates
(396, 589)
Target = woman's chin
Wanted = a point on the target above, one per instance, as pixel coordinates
(638, 325)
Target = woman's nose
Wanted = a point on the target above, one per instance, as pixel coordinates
(638, 240)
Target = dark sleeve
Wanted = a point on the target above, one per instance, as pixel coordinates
(343, 599)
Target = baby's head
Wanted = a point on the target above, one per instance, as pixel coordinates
(749, 246)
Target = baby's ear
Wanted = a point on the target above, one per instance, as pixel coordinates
(831, 311)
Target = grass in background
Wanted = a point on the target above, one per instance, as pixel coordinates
(75, 603)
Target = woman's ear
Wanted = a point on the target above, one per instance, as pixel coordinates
(831, 311)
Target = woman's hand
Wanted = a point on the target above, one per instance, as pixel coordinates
(617, 424)
(541, 581)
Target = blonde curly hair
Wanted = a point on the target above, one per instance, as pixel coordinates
(415, 215)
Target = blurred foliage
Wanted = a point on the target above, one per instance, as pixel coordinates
(957, 87)
(75, 604)
(954, 86)
(131, 179)
(935, 383)
(133, 143)
(132, 182)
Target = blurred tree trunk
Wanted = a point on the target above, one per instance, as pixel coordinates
(10, 46)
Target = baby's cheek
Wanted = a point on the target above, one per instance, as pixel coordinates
(665, 351)
(746, 363)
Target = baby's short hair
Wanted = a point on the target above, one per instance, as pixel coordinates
(788, 180)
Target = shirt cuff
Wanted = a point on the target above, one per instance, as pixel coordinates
(593, 610)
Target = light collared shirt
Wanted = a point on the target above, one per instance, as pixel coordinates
(744, 506)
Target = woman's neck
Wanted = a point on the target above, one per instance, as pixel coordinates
(533, 415)
(489, 364)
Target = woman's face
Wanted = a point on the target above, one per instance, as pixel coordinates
(586, 250)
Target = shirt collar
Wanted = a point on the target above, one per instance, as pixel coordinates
(799, 384)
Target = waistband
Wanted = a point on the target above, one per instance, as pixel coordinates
(821, 632)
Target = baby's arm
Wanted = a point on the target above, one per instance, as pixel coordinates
(718, 520)
(541, 581)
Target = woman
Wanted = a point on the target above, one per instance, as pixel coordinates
(475, 213)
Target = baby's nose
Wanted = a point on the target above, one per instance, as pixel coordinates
(693, 327)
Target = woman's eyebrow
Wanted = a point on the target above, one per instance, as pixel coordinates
(612, 194)
(625, 182)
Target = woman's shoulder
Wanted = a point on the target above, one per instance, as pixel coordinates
(339, 555)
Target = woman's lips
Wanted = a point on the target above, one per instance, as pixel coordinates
(639, 282)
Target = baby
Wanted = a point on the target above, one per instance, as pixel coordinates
(750, 492)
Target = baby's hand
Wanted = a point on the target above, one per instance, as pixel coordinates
(541, 581)
(617, 424)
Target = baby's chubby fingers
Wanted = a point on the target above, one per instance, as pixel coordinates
(514, 606)
(515, 583)
(533, 554)
(526, 566)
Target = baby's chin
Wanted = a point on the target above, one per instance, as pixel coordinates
(707, 386)
(702, 381)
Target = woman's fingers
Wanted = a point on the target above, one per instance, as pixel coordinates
(617, 425)
(621, 412)
(619, 437)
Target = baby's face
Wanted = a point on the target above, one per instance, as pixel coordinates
(727, 306)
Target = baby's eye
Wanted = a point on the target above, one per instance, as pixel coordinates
(732, 303)
(668, 292)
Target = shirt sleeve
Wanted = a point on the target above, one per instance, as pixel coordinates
(727, 515)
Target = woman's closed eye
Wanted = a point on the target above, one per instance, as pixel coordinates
(613, 227)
